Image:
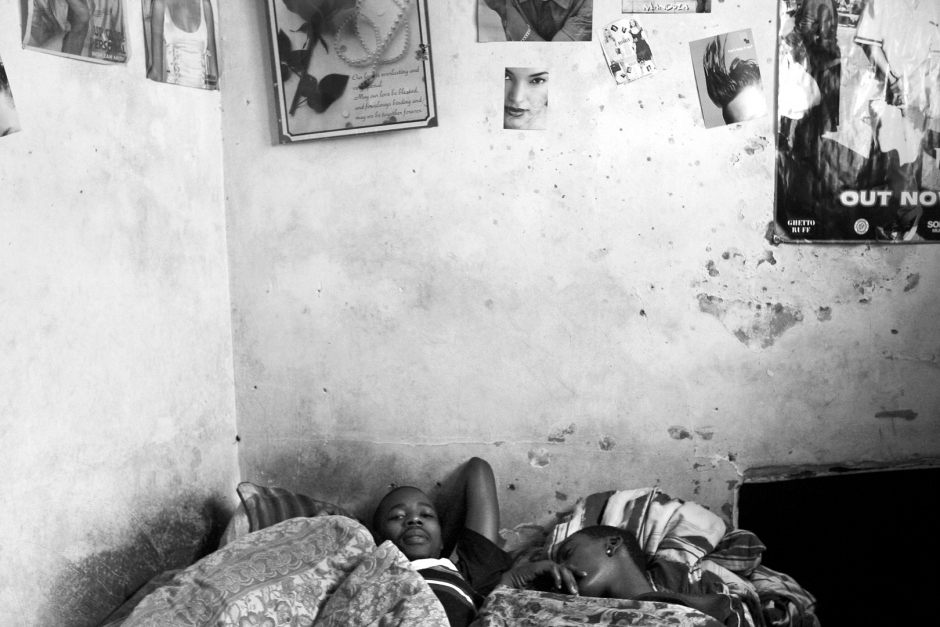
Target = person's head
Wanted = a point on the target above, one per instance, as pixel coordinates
(526, 98)
(407, 517)
(607, 562)
(737, 89)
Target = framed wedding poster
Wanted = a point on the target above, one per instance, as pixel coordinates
(349, 67)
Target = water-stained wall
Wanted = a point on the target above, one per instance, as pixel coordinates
(593, 306)
(116, 407)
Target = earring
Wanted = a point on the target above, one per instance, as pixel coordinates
(610, 552)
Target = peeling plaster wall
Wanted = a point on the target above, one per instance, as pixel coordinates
(589, 307)
(116, 383)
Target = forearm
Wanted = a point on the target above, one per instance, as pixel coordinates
(481, 501)
(877, 56)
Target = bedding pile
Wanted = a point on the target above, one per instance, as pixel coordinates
(303, 572)
(506, 607)
(323, 569)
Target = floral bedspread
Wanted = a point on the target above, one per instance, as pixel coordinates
(506, 607)
(303, 572)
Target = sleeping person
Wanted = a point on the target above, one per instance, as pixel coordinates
(608, 562)
(407, 517)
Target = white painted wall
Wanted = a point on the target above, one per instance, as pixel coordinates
(116, 407)
(579, 306)
(590, 307)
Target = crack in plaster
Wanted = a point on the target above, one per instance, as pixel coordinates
(930, 359)
(539, 443)
(718, 459)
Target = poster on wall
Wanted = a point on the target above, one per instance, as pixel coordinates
(181, 41)
(91, 30)
(522, 20)
(681, 6)
(858, 101)
(627, 50)
(9, 119)
(728, 77)
(347, 67)
(525, 104)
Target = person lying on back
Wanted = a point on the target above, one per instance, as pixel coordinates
(408, 518)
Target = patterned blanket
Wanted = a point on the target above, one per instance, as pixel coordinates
(506, 607)
(303, 572)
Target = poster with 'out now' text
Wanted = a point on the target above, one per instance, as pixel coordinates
(858, 104)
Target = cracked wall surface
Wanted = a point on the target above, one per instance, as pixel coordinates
(599, 305)
(596, 306)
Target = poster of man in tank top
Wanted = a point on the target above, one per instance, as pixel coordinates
(858, 105)
(181, 38)
(9, 119)
(91, 30)
(349, 67)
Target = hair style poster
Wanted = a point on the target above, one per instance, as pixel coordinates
(9, 119)
(663, 6)
(525, 102)
(91, 30)
(858, 142)
(522, 20)
(727, 73)
(627, 50)
(181, 40)
(348, 67)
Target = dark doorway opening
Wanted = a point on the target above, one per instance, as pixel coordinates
(863, 543)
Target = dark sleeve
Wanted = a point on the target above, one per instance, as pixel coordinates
(481, 562)
(458, 614)
(579, 24)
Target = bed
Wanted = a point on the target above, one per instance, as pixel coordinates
(289, 560)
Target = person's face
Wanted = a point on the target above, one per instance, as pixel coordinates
(407, 518)
(526, 103)
(583, 554)
(747, 105)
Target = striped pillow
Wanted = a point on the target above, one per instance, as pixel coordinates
(269, 506)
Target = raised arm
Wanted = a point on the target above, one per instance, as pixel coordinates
(473, 503)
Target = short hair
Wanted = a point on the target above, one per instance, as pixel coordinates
(376, 522)
(724, 83)
(602, 532)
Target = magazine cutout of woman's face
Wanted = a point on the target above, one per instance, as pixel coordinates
(525, 106)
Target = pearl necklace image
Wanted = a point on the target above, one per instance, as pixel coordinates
(381, 55)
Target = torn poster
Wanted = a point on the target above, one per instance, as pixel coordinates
(859, 121)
